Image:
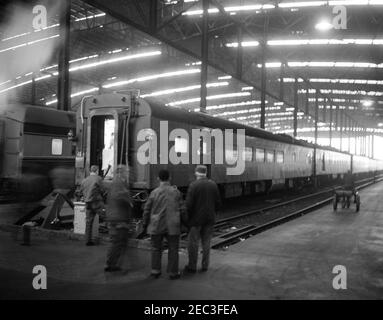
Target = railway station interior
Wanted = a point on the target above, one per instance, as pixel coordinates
(287, 99)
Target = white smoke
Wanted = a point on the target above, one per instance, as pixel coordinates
(28, 58)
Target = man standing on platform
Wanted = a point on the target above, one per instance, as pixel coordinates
(119, 217)
(202, 201)
(162, 219)
(93, 192)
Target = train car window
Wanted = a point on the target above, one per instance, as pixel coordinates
(269, 156)
(181, 145)
(57, 147)
(247, 154)
(259, 155)
(280, 157)
(294, 157)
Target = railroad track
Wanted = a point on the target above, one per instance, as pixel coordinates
(228, 238)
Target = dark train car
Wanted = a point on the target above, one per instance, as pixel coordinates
(36, 155)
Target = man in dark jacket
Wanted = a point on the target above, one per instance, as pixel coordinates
(119, 216)
(202, 202)
(162, 219)
(92, 190)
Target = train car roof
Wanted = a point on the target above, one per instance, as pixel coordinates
(46, 116)
(205, 120)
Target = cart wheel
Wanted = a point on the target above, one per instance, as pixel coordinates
(335, 203)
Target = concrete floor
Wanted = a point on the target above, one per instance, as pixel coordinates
(292, 261)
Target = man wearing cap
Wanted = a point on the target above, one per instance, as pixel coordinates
(202, 202)
(93, 192)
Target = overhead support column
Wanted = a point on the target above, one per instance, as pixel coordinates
(204, 54)
(263, 86)
(33, 90)
(316, 117)
(369, 145)
(295, 124)
(356, 137)
(337, 118)
(239, 63)
(315, 139)
(324, 108)
(282, 83)
(372, 143)
(63, 87)
(349, 134)
(359, 140)
(340, 129)
(364, 142)
(263, 43)
(307, 99)
(330, 130)
(153, 16)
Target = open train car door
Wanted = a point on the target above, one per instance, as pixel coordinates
(102, 134)
(102, 142)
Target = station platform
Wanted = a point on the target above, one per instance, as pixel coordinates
(292, 261)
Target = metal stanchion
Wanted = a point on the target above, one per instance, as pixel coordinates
(27, 230)
(26, 236)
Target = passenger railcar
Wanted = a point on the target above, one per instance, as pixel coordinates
(108, 126)
(36, 155)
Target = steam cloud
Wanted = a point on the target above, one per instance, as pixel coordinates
(29, 58)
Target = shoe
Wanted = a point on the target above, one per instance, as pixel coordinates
(174, 276)
(155, 275)
(188, 270)
(90, 243)
(203, 270)
(112, 269)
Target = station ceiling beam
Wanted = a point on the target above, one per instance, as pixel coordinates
(113, 8)
(63, 87)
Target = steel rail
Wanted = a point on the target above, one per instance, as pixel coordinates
(223, 221)
(234, 236)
